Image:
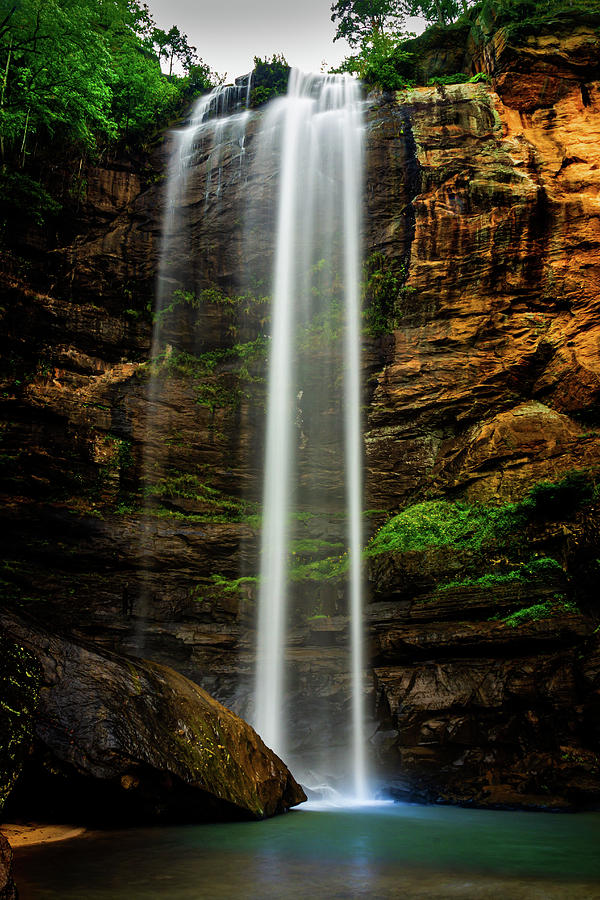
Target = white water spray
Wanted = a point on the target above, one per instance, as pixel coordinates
(317, 133)
(218, 120)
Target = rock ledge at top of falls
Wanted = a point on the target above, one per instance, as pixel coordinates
(129, 739)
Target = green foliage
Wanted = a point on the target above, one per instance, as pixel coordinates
(269, 79)
(358, 21)
(325, 325)
(481, 77)
(76, 76)
(441, 523)
(21, 195)
(558, 498)
(310, 546)
(329, 569)
(222, 376)
(214, 504)
(438, 523)
(19, 691)
(555, 607)
(458, 78)
(439, 12)
(234, 308)
(141, 95)
(187, 486)
(301, 568)
(538, 567)
(380, 62)
(221, 513)
(525, 16)
(382, 291)
(392, 61)
(233, 586)
(214, 389)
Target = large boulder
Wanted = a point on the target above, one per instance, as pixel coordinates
(129, 739)
(7, 885)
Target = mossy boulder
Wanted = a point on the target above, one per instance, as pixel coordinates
(19, 688)
(7, 885)
(128, 739)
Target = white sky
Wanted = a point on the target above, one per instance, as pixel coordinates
(230, 33)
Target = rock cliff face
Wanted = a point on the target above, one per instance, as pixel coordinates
(483, 200)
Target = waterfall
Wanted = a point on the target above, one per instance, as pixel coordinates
(217, 119)
(315, 136)
(216, 126)
(300, 177)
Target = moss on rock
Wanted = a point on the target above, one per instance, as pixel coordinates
(19, 695)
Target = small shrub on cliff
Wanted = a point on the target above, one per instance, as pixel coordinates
(213, 503)
(458, 78)
(269, 79)
(22, 196)
(381, 62)
(383, 291)
(555, 498)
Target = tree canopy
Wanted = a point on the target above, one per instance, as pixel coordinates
(357, 20)
(360, 21)
(83, 73)
(439, 12)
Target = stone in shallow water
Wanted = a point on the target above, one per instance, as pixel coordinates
(119, 738)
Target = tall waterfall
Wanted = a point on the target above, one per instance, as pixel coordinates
(315, 135)
(294, 173)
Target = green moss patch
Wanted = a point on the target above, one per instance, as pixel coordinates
(469, 526)
(536, 568)
(440, 523)
(557, 606)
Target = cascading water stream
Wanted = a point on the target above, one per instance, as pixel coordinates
(217, 120)
(309, 148)
(316, 132)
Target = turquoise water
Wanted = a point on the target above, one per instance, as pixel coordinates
(391, 851)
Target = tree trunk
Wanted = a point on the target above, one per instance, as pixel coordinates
(2, 96)
(24, 141)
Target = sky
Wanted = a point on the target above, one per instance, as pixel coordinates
(230, 33)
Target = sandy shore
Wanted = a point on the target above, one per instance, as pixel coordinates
(25, 834)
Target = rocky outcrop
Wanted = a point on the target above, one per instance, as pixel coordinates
(482, 200)
(492, 380)
(7, 885)
(135, 740)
